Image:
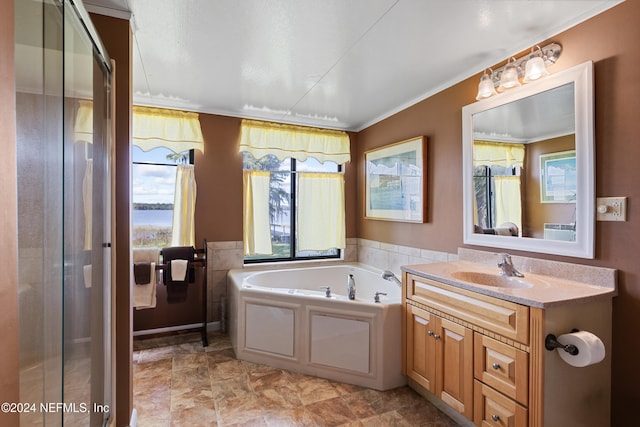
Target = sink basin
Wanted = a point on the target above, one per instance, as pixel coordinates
(495, 280)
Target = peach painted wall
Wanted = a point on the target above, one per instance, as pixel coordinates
(536, 213)
(610, 40)
(9, 368)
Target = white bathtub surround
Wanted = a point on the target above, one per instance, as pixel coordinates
(227, 255)
(283, 318)
(391, 257)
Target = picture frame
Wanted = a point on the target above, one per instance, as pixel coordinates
(395, 181)
(558, 179)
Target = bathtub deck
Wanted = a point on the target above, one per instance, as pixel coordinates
(178, 382)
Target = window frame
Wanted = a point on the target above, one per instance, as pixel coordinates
(190, 161)
(260, 259)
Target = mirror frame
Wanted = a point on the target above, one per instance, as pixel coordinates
(582, 77)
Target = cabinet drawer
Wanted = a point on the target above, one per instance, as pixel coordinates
(505, 318)
(492, 409)
(501, 366)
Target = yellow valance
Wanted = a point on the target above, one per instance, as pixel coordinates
(158, 127)
(300, 142)
(488, 153)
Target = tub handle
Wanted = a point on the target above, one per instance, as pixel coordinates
(327, 291)
(376, 297)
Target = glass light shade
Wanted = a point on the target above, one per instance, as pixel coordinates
(509, 78)
(485, 87)
(535, 69)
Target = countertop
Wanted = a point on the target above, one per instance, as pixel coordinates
(545, 291)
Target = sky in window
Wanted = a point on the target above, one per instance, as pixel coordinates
(152, 183)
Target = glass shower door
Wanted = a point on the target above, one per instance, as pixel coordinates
(63, 133)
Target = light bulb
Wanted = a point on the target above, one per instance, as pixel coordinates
(509, 77)
(535, 69)
(485, 87)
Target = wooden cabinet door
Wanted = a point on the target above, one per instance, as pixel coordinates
(421, 347)
(455, 345)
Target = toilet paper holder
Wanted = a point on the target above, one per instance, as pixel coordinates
(551, 343)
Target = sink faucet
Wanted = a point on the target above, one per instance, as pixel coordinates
(506, 266)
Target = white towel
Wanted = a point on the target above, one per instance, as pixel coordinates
(179, 269)
(144, 296)
(146, 255)
(86, 272)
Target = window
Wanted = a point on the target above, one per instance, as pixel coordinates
(491, 186)
(153, 188)
(283, 205)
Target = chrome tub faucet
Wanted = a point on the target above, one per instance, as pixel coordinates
(388, 275)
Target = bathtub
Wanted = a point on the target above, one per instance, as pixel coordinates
(284, 319)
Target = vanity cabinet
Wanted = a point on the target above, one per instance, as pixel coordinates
(484, 358)
(439, 358)
(466, 349)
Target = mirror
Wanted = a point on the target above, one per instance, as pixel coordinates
(528, 167)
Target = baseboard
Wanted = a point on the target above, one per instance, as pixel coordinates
(211, 326)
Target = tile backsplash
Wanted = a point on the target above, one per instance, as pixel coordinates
(228, 255)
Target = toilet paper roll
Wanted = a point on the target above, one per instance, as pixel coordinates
(590, 348)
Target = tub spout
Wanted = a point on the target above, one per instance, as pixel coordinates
(388, 275)
(351, 288)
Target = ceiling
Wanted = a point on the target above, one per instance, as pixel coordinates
(331, 63)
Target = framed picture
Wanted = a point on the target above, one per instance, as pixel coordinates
(395, 181)
(558, 183)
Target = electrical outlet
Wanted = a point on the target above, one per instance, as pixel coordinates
(611, 208)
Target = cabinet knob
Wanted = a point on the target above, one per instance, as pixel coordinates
(495, 366)
(495, 417)
(436, 336)
(430, 333)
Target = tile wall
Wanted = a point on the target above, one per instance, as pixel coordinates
(225, 256)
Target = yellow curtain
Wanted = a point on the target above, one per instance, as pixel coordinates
(300, 142)
(151, 128)
(321, 218)
(83, 126)
(158, 127)
(508, 200)
(184, 206)
(487, 153)
(257, 227)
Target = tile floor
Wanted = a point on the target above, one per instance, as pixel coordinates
(177, 382)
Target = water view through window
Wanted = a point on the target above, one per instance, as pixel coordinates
(153, 187)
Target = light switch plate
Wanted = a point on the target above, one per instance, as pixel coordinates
(611, 209)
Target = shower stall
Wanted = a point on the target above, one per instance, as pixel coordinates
(63, 134)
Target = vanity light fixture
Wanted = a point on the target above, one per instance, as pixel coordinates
(529, 67)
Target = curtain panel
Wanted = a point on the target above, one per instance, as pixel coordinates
(321, 216)
(184, 206)
(508, 200)
(256, 229)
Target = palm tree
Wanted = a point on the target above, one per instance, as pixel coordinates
(278, 195)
